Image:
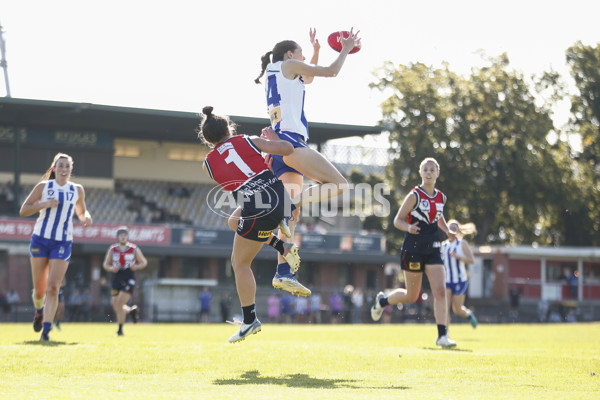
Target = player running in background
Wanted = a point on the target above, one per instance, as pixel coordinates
(56, 199)
(421, 214)
(456, 253)
(286, 76)
(123, 259)
(237, 165)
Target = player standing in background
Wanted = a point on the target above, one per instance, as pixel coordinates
(456, 252)
(56, 199)
(123, 259)
(237, 165)
(286, 76)
(421, 214)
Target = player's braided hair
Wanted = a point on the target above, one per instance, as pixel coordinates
(278, 52)
(213, 128)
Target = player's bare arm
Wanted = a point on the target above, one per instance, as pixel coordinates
(108, 263)
(401, 219)
(81, 210)
(315, 57)
(32, 203)
(140, 260)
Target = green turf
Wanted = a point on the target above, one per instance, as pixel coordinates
(193, 361)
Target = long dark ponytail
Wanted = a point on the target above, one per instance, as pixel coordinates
(278, 52)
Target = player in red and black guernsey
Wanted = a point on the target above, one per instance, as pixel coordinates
(237, 165)
(123, 259)
(421, 216)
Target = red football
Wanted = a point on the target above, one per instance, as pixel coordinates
(336, 44)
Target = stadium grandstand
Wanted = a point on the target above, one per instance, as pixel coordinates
(143, 168)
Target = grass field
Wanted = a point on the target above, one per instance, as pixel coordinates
(192, 361)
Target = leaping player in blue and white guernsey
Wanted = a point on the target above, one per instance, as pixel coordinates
(456, 253)
(56, 199)
(123, 259)
(237, 165)
(421, 216)
(287, 73)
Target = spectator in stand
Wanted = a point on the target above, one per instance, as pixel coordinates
(315, 308)
(387, 314)
(273, 305)
(358, 301)
(10, 192)
(139, 219)
(315, 226)
(159, 216)
(225, 306)
(543, 308)
(336, 302)
(12, 299)
(573, 284)
(301, 309)
(73, 306)
(205, 298)
(286, 308)
(515, 298)
(347, 307)
(178, 191)
(85, 302)
(5, 306)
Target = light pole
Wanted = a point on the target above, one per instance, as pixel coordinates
(3, 61)
(17, 154)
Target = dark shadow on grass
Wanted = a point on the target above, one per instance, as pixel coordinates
(296, 381)
(51, 343)
(448, 349)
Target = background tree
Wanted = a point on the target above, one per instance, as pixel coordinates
(490, 138)
(584, 62)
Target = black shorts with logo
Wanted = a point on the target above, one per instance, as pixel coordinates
(262, 212)
(415, 262)
(123, 281)
(420, 250)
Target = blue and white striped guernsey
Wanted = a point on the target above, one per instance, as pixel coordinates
(285, 102)
(456, 271)
(57, 223)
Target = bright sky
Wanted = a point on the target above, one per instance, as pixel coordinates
(182, 55)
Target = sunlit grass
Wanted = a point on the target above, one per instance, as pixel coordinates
(302, 362)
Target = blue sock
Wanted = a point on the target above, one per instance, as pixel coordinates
(291, 216)
(40, 311)
(283, 269)
(47, 326)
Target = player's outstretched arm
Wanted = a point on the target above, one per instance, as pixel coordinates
(292, 68)
(315, 57)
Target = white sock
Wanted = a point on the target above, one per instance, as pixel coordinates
(38, 303)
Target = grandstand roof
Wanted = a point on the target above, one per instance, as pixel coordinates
(139, 123)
